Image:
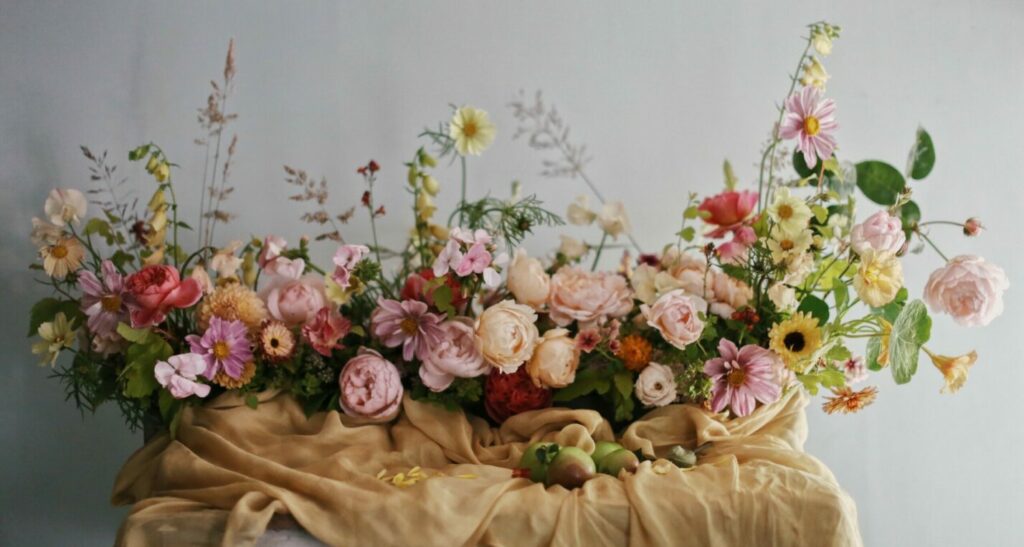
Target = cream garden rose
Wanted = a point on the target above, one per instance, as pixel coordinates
(554, 362)
(507, 335)
(879, 278)
(675, 315)
(656, 385)
(587, 297)
(527, 280)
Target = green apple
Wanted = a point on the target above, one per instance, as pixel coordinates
(537, 458)
(602, 449)
(615, 462)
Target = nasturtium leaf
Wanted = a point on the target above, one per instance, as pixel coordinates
(910, 215)
(816, 307)
(873, 349)
(910, 331)
(922, 156)
(892, 310)
(880, 182)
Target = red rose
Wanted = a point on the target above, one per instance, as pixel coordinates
(416, 288)
(506, 395)
(155, 290)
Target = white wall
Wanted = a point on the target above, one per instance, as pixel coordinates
(662, 92)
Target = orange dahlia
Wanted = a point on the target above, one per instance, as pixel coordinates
(635, 351)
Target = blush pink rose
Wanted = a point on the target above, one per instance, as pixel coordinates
(728, 209)
(728, 294)
(969, 289)
(294, 300)
(371, 387)
(455, 355)
(881, 232)
(326, 330)
(587, 297)
(155, 290)
(675, 315)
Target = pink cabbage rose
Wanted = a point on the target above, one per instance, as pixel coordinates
(674, 314)
(455, 355)
(587, 297)
(969, 289)
(371, 387)
(881, 232)
(326, 330)
(155, 290)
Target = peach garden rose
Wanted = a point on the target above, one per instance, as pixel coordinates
(587, 297)
(507, 334)
(675, 315)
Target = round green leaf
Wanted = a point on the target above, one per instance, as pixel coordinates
(911, 330)
(922, 156)
(910, 215)
(800, 165)
(880, 182)
(816, 307)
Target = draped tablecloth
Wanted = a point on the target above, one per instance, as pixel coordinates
(231, 468)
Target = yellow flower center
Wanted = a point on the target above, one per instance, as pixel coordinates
(58, 251)
(785, 212)
(111, 303)
(469, 129)
(811, 125)
(786, 244)
(221, 350)
(409, 326)
(736, 377)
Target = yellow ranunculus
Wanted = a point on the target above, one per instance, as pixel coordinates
(879, 278)
(953, 368)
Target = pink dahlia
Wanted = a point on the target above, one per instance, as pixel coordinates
(103, 300)
(224, 346)
(741, 377)
(811, 121)
(407, 324)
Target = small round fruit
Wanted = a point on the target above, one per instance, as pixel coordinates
(531, 461)
(617, 461)
(602, 449)
(571, 468)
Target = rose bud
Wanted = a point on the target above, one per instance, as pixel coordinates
(972, 227)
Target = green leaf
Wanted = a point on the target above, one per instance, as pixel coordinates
(623, 383)
(838, 353)
(252, 401)
(97, 226)
(800, 165)
(691, 212)
(138, 153)
(874, 347)
(892, 310)
(841, 294)
(138, 336)
(832, 377)
(141, 358)
(922, 156)
(816, 307)
(911, 330)
(587, 380)
(730, 176)
(820, 213)
(880, 182)
(46, 309)
(121, 258)
(688, 234)
(443, 299)
(910, 215)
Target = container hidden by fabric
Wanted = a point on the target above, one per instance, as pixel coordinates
(232, 468)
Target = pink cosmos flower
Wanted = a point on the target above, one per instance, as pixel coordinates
(407, 324)
(326, 330)
(223, 346)
(180, 373)
(728, 210)
(741, 377)
(103, 300)
(345, 260)
(811, 121)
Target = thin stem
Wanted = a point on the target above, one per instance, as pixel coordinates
(600, 247)
(933, 245)
(462, 200)
(946, 222)
(202, 195)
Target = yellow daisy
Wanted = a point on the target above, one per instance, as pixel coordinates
(63, 257)
(785, 246)
(795, 340)
(472, 131)
(790, 213)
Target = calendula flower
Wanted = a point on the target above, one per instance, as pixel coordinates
(635, 352)
(276, 341)
(811, 121)
(56, 335)
(814, 74)
(879, 277)
(795, 340)
(63, 257)
(472, 131)
(788, 246)
(65, 205)
(789, 213)
(953, 368)
(226, 381)
(848, 401)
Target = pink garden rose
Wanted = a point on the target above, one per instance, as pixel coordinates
(155, 290)
(969, 289)
(454, 355)
(371, 386)
(587, 297)
(292, 298)
(674, 314)
(326, 330)
(881, 232)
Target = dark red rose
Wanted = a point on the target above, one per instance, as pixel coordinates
(506, 395)
(416, 284)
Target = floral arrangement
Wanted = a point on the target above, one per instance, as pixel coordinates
(762, 289)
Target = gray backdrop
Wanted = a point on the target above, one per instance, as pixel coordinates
(662, 92)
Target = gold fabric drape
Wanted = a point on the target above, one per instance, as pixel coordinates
(232, 468)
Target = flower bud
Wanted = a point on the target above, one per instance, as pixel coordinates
(427, 159)
(431, 185)
(973, 227)
(162, 172)
(152, 164)
(413, 175)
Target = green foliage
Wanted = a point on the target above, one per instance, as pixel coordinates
(911, 330)
(829, 377)
(141, 356)
(138, 153)
(891, 311)
(816, 307)
(588, 380)
(462, 393)
(872, 351)
(46, 309)
(910, 215)
(880, 182)
(512, 221)
(623, 395)
(922, 156)
(800, 165)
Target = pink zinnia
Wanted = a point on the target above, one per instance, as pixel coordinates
(223, 346)
(742, 377)
(811, 120)
(407, 324)
(103, 300)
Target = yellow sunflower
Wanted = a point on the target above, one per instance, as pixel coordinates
(795, 340)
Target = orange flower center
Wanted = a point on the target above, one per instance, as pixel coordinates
(221, 350)
(469, 129)
(786, 244)
(111, 303)
(58, 251)
(811, 125)
(785, 211)
(409, 326)
(736, 377)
